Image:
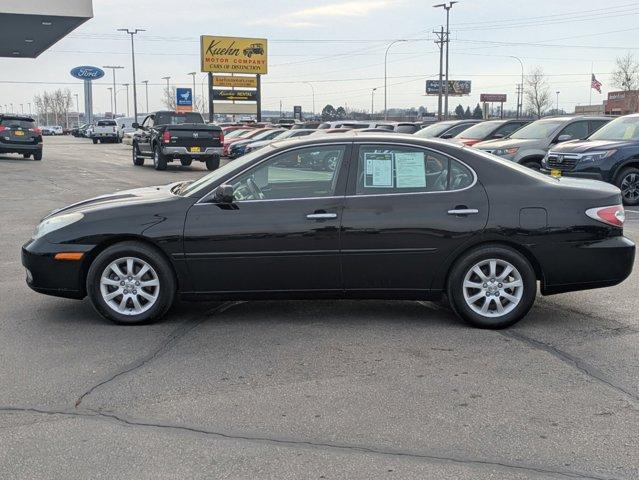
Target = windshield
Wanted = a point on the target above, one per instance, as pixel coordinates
(265, 135)
(175, 118)
(538, 130)
(235, 133)
(624, 128)
(16, 123)
(205, 182)
(479, 131)
(434, 130)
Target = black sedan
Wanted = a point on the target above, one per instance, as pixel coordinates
(610, 154)
(394, 217)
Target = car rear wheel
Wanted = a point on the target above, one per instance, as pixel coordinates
(213, 163)
(186, 162)
(138, 160)
(492, 287)
(131, 283)
(95, 141)
(37, 156)
(628, 183)
(159, 160)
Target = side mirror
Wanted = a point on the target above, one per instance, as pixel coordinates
(135, 125)
(564, 138)
(224, 194)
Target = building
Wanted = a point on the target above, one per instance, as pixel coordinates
(622, 103)
(29, 27)
(597, 109)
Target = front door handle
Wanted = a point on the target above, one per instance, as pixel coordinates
(463, 211)
(321, 216)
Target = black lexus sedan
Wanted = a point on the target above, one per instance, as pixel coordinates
(384, 216)
(610, 154)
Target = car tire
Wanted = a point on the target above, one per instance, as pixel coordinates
(186, 162)
(95, 141)
(37, 156)
(628, 183)
(148, 296)
(532, 164)
(138, 160)
(159, 160)
(501, 296)
(213, 163)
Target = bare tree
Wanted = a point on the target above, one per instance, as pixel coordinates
(537, 93)
(54, 106)
(169, 98)
(626, 74)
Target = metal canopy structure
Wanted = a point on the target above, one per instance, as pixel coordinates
(29, 27)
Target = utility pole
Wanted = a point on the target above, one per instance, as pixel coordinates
(313, 93)
(193, 74)
(135, 92)
(440, 43)
(146, 85)
(373, 101)
(168, 88)
(114, 104)
(127, 99)
(110, 89)
(447, 6)
(557, 109)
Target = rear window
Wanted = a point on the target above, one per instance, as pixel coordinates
(178, 118)
(106, 123)
(16, 123)
(406, 128)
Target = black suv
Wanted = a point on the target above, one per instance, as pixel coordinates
(610, 154)
(19, 134)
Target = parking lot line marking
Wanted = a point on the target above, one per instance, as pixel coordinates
(633, 211)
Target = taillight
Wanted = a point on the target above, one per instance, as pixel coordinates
(2, 129)
(613, 215)
(166, 137)
(221, 137)
(37, 131)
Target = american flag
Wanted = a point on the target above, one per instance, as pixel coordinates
(594, 83)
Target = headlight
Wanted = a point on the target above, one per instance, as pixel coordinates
(596, 156)
(55, 223)
(503, 152)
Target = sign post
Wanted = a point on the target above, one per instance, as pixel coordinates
(87, 74)
(500, 98)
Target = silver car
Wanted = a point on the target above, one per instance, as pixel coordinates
(529, 144)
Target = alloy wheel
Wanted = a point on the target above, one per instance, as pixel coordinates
(630, 187)
(493, 288)
(129, 286)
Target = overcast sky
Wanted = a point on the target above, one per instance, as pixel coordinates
(339, 46)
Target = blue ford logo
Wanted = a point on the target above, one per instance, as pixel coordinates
(87, 73)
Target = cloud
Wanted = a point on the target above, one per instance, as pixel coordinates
(304, 18)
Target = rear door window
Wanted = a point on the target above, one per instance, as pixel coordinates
(507, 129)
(576, 130)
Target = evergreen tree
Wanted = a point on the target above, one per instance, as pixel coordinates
(477, 113)
(459, 111)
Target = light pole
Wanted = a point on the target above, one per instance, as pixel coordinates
(135, 92)
(557, 109)
(313, 93)
(127, 98)
(168, 88)
(110, 89)
(146, 87)
(77, 107)
(520, 103)
(11, 107)
(22, 108)
(386, 76)
(29, 105)
(114, 103)
(373, 101)
(447, 6)
(193, 74)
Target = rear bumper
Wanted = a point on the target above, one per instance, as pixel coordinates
(17, 148)
(184, 152)
(54, 277)
(570, 267)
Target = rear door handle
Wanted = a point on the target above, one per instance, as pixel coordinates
(463, 211)
(321, 216)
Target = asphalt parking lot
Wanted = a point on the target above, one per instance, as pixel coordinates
(315, 389)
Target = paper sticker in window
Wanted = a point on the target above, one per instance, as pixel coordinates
(410, 170)
(379, 169)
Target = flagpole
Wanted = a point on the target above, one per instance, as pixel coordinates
(592, 67)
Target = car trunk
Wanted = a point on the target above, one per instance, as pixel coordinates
(194, 135)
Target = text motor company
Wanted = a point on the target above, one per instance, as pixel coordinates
(234, 55)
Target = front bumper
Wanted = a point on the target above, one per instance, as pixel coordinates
(573, 266)
(577, 174)
(184, 152)
(54, 277)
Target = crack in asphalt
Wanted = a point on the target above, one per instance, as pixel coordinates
(182, 330)
(575, 362)
(131, 422)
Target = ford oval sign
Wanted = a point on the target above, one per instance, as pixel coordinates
(87, 73)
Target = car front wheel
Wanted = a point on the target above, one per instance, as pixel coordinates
(213, 163)
(628, 183)
(138, 160)
(492, 287)
(131, 283)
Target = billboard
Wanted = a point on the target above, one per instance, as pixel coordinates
(234, 54)
(297, 112)
(184, 99)
(242, 95)
(456, 88)
(493, 97)
(234, 82)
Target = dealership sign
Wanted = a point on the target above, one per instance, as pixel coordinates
(184, 99)
(493, 97)
(455, 87)
(234, 82)
(87, 73)
(235, 95)
(233, 55)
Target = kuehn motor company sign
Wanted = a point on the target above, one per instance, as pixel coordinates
(234, 55)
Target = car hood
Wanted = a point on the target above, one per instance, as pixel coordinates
(119, 199)
(508, 143)
(582, 146)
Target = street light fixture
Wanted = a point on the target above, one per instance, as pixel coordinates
(146, 85)
(114, 103)
(447, 6)
(135, 93)
(520, 103)
(386, 76)
(313, 92)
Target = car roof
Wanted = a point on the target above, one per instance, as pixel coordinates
(359, 136)
(25, 118)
